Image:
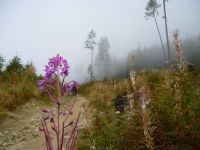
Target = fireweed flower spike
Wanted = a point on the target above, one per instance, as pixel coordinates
(54, 85)
(70, 85)
(41, 83)
(75, 84)
(67, 88)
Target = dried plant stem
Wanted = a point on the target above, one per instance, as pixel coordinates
(179, 54)
(72, 106)
(58, 130)
(133, 82)
(69, 143)
(62, 136)
(47, 136)
(146, 118)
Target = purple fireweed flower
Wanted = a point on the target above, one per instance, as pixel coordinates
(55, 72)
(55, 86)
(49, 72)
(55, 61)
(67, 87)
(52, 82)
(41, 84)
(65, 69)
(56, 65)
(75, 84)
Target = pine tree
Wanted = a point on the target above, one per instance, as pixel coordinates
(152, 11)
(90, 44)
(102, 61)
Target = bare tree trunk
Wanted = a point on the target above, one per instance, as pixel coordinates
(91, 65)
(166, 28)
(159, 35)
(92, 71)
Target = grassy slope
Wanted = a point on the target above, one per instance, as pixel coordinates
(174, 109)
(16, 91)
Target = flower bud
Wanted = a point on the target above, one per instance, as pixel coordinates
(71, 123)
(45, 110)
(58, 103)
(70, 111)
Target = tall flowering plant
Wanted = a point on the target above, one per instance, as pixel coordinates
(55, 123)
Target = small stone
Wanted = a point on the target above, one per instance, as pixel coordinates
(66, 136)
(14, 133)
(32, 120)
(117, 112)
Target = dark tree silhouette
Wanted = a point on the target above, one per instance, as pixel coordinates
(15, 66)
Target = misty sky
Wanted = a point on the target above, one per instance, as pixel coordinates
(38, 29)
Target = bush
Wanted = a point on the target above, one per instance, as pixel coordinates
(18, 84)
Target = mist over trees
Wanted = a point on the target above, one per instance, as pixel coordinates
(152, 57)
(112, 67)
(102, 60)
(108, 66)
(191, 50)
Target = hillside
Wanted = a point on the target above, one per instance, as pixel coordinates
(164, 114)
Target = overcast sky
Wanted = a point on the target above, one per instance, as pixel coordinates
(38, 29)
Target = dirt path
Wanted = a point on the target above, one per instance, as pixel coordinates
(21, 131)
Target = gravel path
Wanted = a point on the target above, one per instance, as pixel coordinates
(21, 131)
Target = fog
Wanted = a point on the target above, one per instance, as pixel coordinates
(38, 29)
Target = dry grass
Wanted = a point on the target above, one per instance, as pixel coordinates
(172, 105)
(179, 53)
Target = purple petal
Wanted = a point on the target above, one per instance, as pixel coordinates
(41, 84)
